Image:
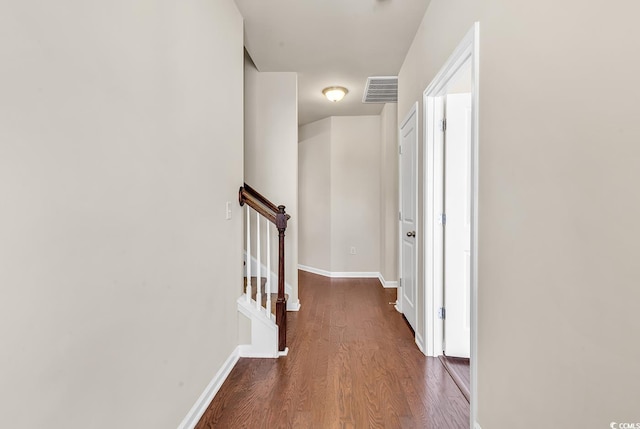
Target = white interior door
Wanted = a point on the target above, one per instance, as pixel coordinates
(457, 230)
(408, 216)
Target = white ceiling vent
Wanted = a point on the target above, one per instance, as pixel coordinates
(381, 89)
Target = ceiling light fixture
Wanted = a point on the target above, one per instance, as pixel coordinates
(335, 93)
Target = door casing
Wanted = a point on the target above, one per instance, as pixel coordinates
(467, 53)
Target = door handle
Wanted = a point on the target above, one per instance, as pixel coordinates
(411, 234)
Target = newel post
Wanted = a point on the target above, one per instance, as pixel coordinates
(281, 302)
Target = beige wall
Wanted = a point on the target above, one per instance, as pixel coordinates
(314, 181)
(558, 213)
(355, 193)
(271, 151)
(118, 150)
(345, 151)
(389, 192)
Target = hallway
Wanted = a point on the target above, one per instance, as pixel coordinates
(352, 363)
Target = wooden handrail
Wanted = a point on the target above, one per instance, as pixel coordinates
(278, 216)
(259, 203)
(258, 196)
(264, 212)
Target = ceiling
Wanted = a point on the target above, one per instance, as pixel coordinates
(328, 43)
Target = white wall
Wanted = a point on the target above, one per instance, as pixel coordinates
(558, 214)
(119, 147)
(340, 163)
(271, 151)
(314, 181)
(389, 192)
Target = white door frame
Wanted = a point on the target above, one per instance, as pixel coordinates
(466, 53)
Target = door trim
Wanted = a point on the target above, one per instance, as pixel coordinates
(466, 53)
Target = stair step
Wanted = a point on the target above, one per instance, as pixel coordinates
(274, 296)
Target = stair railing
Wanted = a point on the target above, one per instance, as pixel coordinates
(276, 215)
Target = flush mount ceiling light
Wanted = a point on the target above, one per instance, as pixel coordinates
(335, 93)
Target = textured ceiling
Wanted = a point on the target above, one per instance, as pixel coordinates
(331, 42)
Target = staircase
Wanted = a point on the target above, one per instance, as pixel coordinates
(274, 296)
(264, 306)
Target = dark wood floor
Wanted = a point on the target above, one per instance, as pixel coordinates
(352, 363)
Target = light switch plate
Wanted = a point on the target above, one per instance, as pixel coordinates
(228, 210)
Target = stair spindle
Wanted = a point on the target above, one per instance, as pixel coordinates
(268, 284)
(258, 265)
(248, 291)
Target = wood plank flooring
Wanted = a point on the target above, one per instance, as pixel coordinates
(352, 363)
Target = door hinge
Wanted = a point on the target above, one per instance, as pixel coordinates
(400, 149)
(442, 314)
(399, 215)
(400, 282)
(443, 125)
(443, 219)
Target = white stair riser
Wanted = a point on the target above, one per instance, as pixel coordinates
(264, 331)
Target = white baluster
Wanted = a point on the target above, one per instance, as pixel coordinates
(268, 285)
(248, 291)
(258, 264)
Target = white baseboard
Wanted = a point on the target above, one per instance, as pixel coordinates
(293, 305)
(420, 343)
(476, 425)
(314, 270)
(338, 274)
(355, 275)
(350, 274)
(386, 283)
(247, 351)
(193, 417)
